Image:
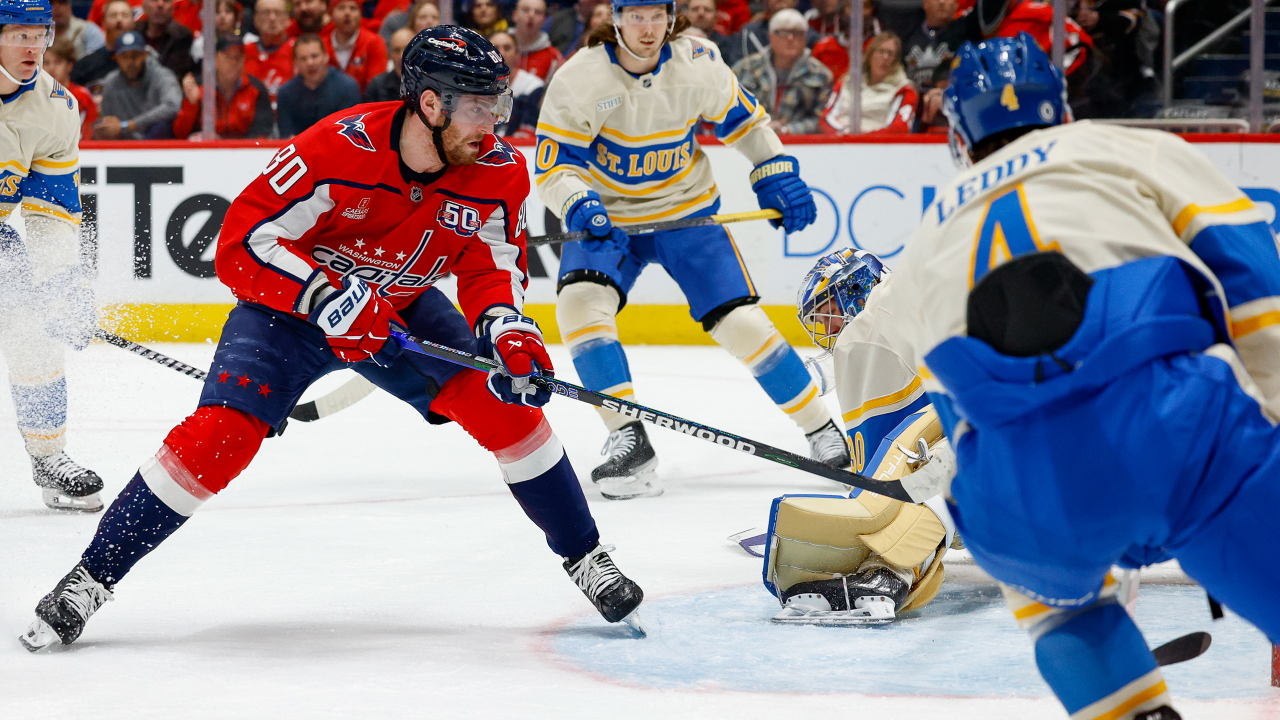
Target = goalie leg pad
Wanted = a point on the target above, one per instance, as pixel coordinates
(750, 336)
(586, 313)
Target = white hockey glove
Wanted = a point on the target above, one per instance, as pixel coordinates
(935, 476)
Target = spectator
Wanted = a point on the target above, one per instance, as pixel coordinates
(526, 91)
(58, 61)
(425, 14)
(91, 69)
(387, 85)
(888, 98)
(141, 97)
(833, 50)
(536, 53)
(785, 78)
(373, 15)
(187, 14)
(731, 16)
(317, 91)
(226, 21)
(754, 37)
(352, 49)
(270, 58)
(309, 16)
(702, 14)
(567, 24)
(97, 14)
(1036, 19)
(1124, 79)
(929, 48)
(486, 17)
(600, 14)
(243, 106)
(169, 38)
(84, 36)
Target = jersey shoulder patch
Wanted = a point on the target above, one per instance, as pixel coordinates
(352, 128)
(63, 94)
(502, 153)
(699, 50)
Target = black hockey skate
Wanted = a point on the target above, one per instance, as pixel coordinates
(616, 596)
(66, 484)
(62, 614)
(1164, 712)
(868, 597)
(829, 446)
(629, 471)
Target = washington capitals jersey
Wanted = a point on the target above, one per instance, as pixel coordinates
(1103, 196)
(631, 139)
(338, 201)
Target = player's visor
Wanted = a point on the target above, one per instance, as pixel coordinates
(482, 109)
(31, 36)
(642, 16)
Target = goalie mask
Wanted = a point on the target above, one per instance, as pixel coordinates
(836, 290)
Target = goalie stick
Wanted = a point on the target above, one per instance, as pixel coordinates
(889, 488)
(682, 223)
(344, 397)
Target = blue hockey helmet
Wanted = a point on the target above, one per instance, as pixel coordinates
(836, 290)
(455, 62)
(26, 12)
(998, 85)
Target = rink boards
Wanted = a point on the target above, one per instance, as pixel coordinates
(153, 214)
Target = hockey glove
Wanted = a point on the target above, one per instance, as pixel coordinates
(355, 320)
(587, 214)
(70, 313)
(778, 185)
(515, 342)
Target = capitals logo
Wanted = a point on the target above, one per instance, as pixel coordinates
(449, 43)
(353, 130)
(501, 154)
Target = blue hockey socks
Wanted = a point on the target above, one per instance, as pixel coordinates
(133, 526)
(555, 503)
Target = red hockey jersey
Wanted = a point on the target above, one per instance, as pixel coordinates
(338, 200)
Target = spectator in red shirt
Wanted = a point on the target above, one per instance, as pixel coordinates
(243, 107)
(187, 14)
(536, 52)
(97, 14)
(424, 14)
(731, 15)
(270, 59)
(309, 16)
(352, 49)
(93, 68)
(833, 50)
(889, 100)
(373, 15)
(58, 61)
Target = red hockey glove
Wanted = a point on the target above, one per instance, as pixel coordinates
(516, 342)
(355, 320)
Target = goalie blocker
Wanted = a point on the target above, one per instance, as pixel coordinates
(862, 558)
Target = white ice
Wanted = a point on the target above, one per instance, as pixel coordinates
(371, 566)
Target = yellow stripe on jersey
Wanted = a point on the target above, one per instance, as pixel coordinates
(1137, 699)
(55, 164)
(1241, 328)
(1190, 212)
(879, 402)
(564, 133)
(646, 190)
(645, 138)
(50, 210)
(14, 163)
(560, 169)
(707, 196)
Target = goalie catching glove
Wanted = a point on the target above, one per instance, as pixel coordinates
(515, 343)
(777, 185)
(355, 320)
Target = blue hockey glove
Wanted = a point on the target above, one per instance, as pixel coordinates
(515, 343)
(778, 185)
(587, 214)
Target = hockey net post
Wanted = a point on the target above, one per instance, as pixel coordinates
(1275, 666)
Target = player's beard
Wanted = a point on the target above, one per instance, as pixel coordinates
(458, 149)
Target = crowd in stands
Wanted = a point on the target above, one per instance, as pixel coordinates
(282, 65)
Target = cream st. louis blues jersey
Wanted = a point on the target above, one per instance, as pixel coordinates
(39, 171)
(1103, 196)
(631, 139)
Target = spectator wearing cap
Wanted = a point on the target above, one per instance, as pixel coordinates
(243, 106)
(527, 90)
(702, 13)
(169, 38)
(141, 97)
(786, 78)
(58, 61)
(889, 100)
(352, 49)
(309, 16)
(318, 90)
(270, 57)
(421, 15)
(536, 52)
(387, 85)
(226, 20)
(91, 69)
(84, 36)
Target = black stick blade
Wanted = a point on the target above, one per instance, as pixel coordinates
(1183, 649)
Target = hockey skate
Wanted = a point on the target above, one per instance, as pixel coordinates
(868, 597)
(630, 468)
(67, 485)
(62, 614)
(829, 446)
(615, 595)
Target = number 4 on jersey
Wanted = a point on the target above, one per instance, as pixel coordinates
(1006, 231)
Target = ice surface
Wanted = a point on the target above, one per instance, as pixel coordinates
(371, 566)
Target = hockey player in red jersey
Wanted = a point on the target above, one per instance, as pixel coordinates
(341, 237)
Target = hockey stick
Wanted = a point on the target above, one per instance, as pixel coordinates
(1187, 647)
(889, 488)
(680, 224)
(350, 393)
